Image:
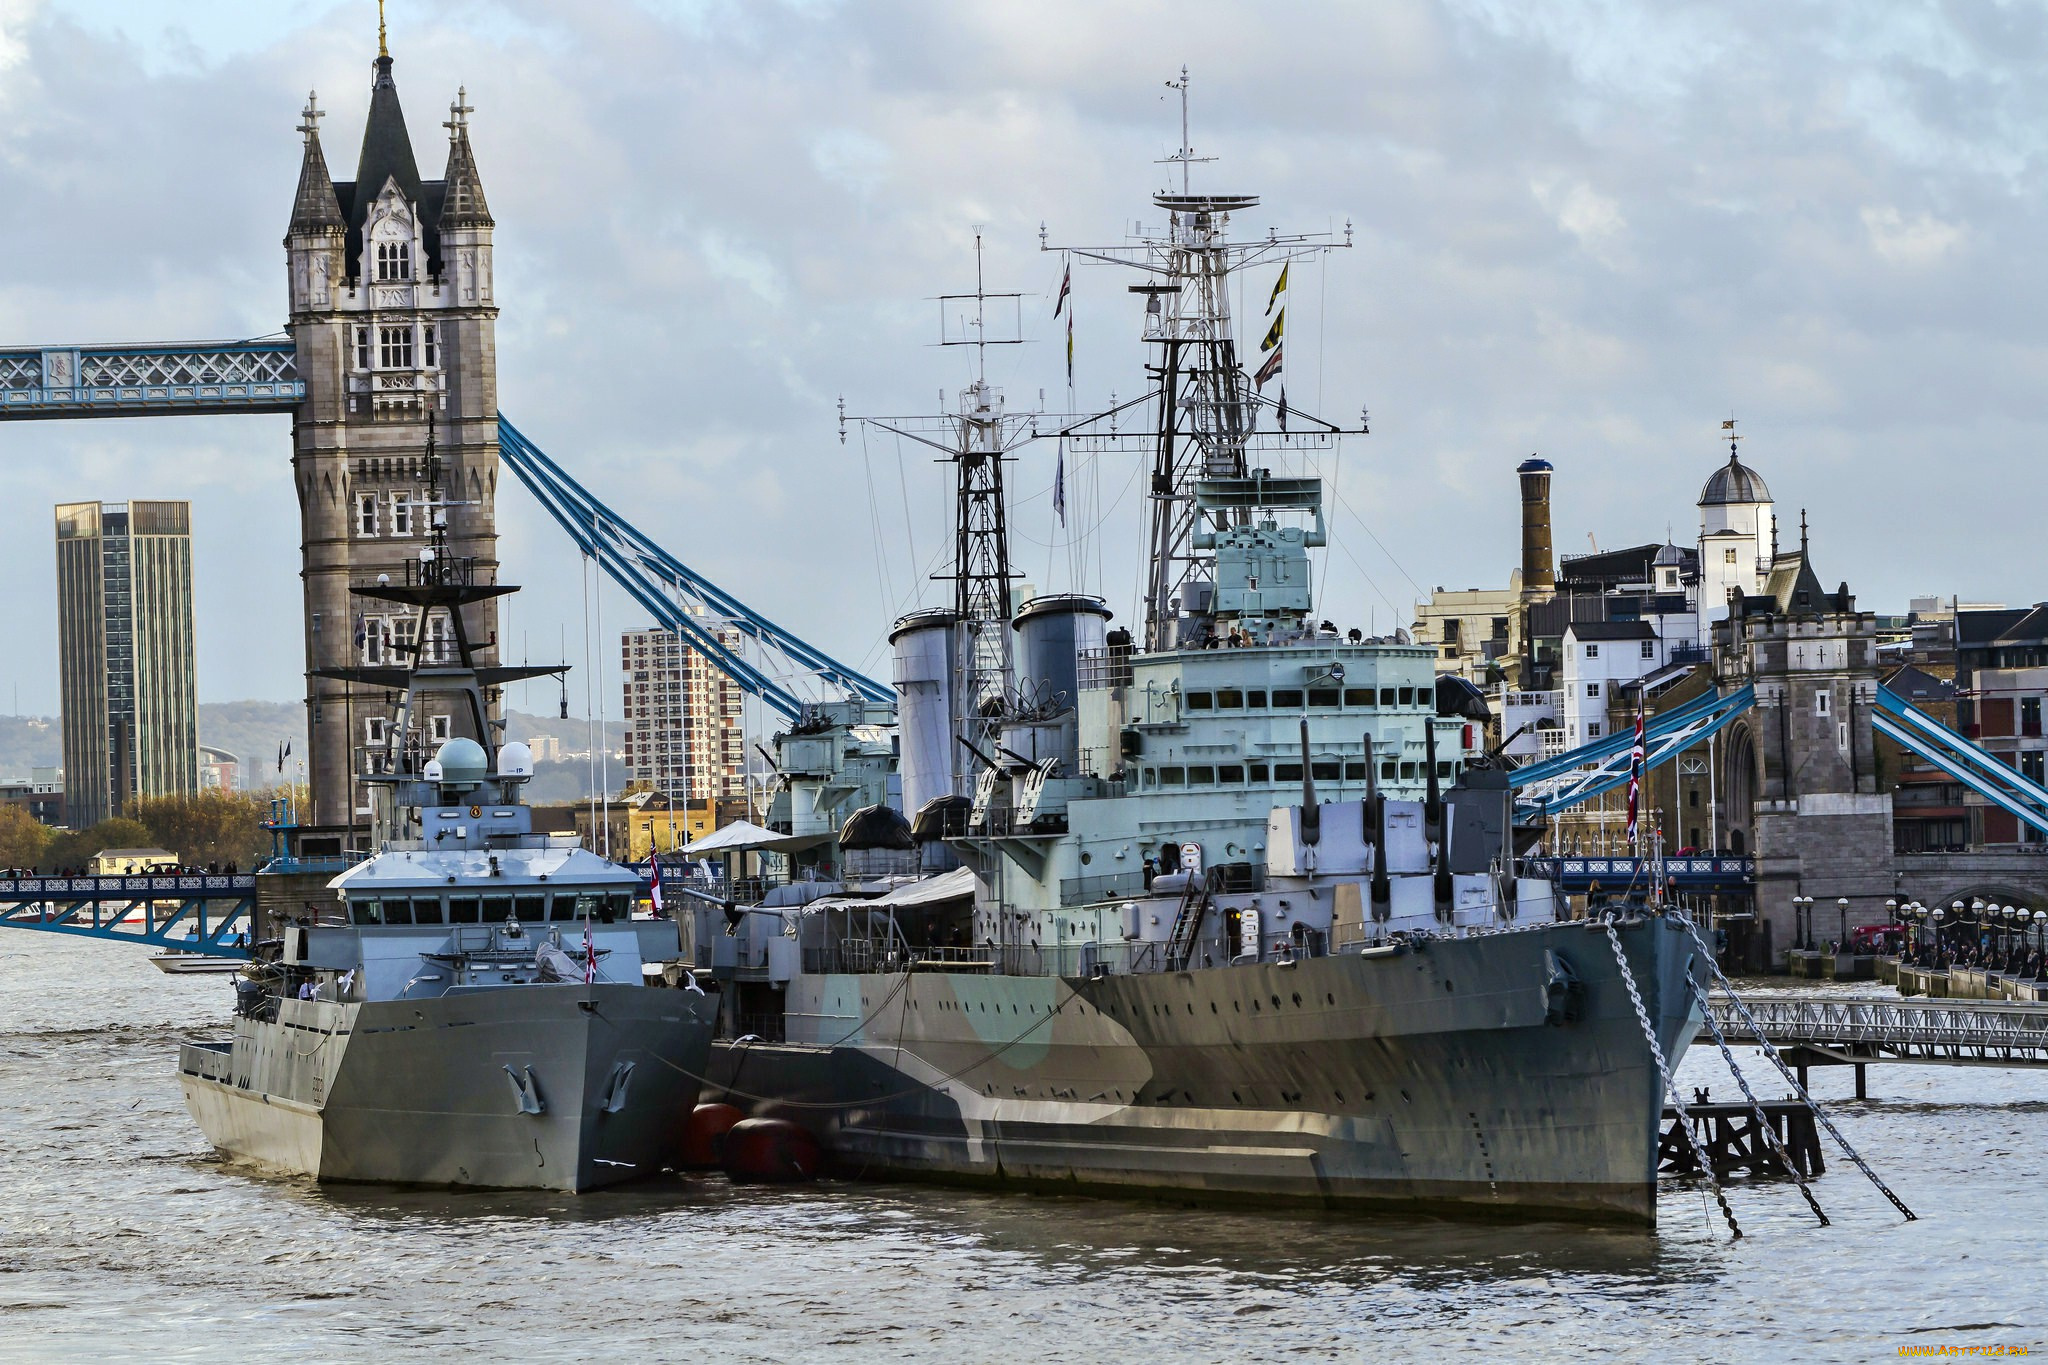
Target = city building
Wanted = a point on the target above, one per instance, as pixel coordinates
(219, 770)
(2001, 689)
(685, 736)
(41, 794)
(126, 662)
(394, 319)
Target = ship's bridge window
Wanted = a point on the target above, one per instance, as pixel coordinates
(462, 909)
(1387, 770)
(564, 908)
(1288, 698)
(1387, 695)
(1323, 696)
(1443, 769)
(1173, 777)
(1358, 696)
(1200, 701)
(426, 910)
(1202, 776)
(1408, 770)
(1231, 774)
(1287, 772)
(621, 905)
(1260, 773)
(1354, 772)
(398, 912)
(1407, 696)
(497, 909)
(1230, 699)
(1325, 772)
(366, 912)
(1255, 700)
(532, 908)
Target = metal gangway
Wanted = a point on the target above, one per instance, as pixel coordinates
(208, 913)
(1834, 1031)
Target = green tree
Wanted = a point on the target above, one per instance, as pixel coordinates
(22, 838)
(212, 827)
(76, 850)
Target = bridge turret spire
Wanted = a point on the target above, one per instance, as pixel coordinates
(315, 210)
(462, 205)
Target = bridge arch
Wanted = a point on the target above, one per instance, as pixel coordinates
(1739, 779)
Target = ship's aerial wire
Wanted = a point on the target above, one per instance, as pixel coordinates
(882, 579)
(903, 486)
(1338, 494)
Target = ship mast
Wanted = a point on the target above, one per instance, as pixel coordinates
(1205, 405)
(977, 440)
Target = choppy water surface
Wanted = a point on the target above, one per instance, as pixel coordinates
(121, 1237)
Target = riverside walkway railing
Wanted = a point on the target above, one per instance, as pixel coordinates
(1942, 1032)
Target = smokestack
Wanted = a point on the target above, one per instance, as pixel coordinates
(1538, 575)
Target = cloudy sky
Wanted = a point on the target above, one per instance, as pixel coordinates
(1591, 230)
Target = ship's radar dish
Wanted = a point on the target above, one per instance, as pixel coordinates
(1205, 203)
(463, 762)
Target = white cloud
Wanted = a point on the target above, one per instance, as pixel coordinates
(1918, 241)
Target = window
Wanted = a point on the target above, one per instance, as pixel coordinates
(1287, 772)
(401, 637)
(362, 348)
(1593, 689)
(1692, 799)
(366, 514)
(1323, 696)
(430, 347)
(1593, 729)
(394, 348)
(1821, 702)
(426, 911)
(1408, 771)
(1255, 700)
(462, 910)
(1728, 555)
(1451, 631)
(1387, 769)
(1387, 695)
(1260, 773)
(1407, 696)
(373, 729)
(2030, 716)
(440, 641)
(533, 908)
(1201, 777)
(1287, 699)
(437, 729)
(1229, 700)
(1358, 696)
(401, 514)
(1173, 777)
(1325, 772)
(1201, 701)
(1230, 774)
(370, 635)
(394, 260)
(1355, 772)
(2031, 764)
(1649, 649)
(1592, 651)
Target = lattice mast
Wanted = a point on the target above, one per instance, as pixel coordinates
(977, 439)
(1206, 409)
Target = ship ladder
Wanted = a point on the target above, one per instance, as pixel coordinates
(1187, 924)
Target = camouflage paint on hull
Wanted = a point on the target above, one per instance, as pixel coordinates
(1448, 1075)
(419, 1091)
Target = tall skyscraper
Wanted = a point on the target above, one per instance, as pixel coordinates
(684, 725)
(125, 655)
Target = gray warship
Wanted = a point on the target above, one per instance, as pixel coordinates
(475, 1009)
(1226, 911)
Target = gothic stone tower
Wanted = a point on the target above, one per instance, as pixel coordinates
(1801, 787)
(394, 319)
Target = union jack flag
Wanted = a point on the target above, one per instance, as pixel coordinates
(1635, 777)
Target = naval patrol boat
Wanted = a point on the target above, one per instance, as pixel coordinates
(475, 1007)
(1227, 910)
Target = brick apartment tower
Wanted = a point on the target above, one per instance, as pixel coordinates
(394, 319)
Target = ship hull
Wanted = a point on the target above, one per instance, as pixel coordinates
(534, 1087)
(1464, 1075)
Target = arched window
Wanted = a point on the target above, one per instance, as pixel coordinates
(394, 260)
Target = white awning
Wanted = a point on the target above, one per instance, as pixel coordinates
(742, 836)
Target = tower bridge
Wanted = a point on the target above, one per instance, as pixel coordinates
(390, 347)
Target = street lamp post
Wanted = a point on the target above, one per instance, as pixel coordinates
(1939, 917)
(1842, 908)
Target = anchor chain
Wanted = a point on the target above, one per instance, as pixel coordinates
(1628, 979)
(1771, 1052)
(1763, 1124)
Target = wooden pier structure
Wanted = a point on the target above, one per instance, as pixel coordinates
(1732, 1138)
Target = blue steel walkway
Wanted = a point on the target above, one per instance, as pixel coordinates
(211, 913)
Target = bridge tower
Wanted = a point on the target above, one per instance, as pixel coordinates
(1800, 785)
(394, 322)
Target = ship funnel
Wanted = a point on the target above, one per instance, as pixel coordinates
(1537, 571)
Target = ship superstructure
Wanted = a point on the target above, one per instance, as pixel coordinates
(474, 1006)
(1235, 910)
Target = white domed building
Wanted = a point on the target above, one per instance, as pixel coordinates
(1738, 531)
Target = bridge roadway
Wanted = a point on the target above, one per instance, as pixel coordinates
(1815, 1030)
(210, 913)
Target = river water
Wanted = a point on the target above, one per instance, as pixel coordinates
(121, 1237)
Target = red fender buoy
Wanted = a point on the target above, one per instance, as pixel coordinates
(704, 1135)
(772, 1150)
